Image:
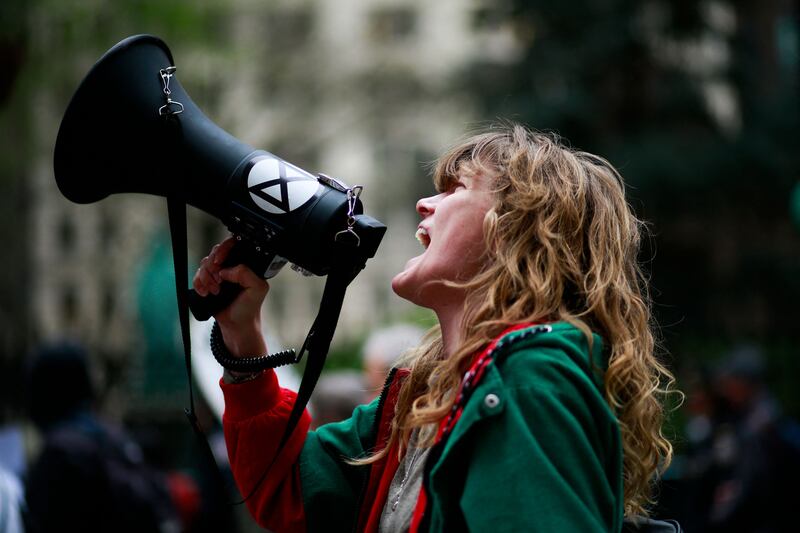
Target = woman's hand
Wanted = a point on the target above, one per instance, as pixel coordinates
(240, 322)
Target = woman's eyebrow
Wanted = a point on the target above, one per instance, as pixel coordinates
(468, 179)
(445, 183)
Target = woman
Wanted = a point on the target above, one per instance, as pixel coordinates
(534, 406)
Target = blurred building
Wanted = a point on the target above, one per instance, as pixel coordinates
(361, 90)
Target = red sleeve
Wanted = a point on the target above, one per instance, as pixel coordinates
(255, 417)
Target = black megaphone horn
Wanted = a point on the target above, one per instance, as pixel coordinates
(131, 127)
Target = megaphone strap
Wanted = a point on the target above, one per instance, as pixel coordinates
(317, 343)
(176, 208)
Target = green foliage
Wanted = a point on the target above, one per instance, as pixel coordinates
(345, 355)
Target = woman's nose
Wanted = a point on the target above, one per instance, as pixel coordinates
(426, 206)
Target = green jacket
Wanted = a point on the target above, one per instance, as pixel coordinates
(536, 449)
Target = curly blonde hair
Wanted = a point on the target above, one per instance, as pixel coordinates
(562, 245)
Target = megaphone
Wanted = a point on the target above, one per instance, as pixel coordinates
(131, 127)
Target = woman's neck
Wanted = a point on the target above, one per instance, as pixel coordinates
(450, 318)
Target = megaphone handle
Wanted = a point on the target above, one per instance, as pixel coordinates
(204, 307)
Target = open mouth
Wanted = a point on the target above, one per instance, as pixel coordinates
(423, 237)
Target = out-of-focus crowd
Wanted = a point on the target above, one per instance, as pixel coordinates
(738, 464)
(736, 470)
(92, 475)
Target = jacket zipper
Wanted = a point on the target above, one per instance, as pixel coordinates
(375, 429)
(528, 332)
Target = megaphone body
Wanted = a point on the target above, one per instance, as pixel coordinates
(131, 127)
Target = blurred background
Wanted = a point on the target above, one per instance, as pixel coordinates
(694, 101)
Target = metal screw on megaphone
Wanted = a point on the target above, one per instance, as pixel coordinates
(332, 182)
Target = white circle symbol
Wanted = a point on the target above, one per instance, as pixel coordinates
(279, 187)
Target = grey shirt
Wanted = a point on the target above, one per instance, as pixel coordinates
(404, 490)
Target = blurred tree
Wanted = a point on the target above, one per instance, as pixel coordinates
(696, 103)
(14, 231)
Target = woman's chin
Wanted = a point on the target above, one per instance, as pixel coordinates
(399, 284)
(415, 285)
(403, 283)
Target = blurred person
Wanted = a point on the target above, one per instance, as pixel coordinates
(12, 449)
(90, 475)
(534, 405)
(12, 469)
(381, 351)
(336, 395)
(698, 476)
(12, 503)
(756, 450)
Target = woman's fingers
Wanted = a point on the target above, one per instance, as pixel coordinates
(211, 274)
(245, 277)
(204, 282)
(207, 264)
(220, 251)
(207, 278)
(246, 308)
(240, 321)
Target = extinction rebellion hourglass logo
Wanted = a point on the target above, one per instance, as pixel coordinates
(279, 187)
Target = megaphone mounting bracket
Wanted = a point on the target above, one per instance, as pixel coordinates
(348, 235)
(172, 107)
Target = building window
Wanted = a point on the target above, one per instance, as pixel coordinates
(392, 24)
(66, 234)
(69, 304)
(489, 18)
(107, 230)
(406, 172)
(107, 303)
(288, 29)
